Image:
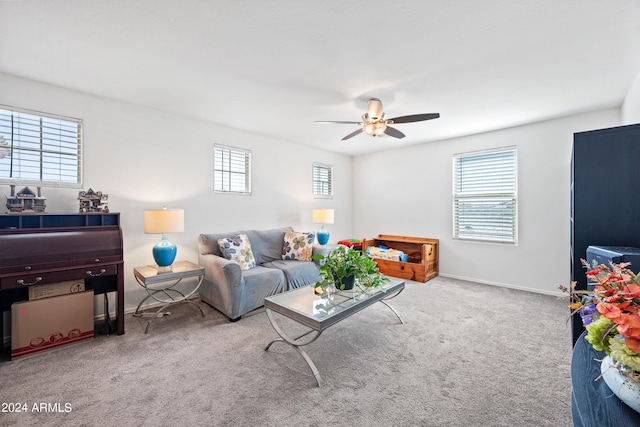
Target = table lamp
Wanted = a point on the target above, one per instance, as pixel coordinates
(323, 216)
(163, 221)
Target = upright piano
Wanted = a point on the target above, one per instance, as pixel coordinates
(38, 249)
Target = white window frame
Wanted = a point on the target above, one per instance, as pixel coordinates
(485, 201)
(40, 149)
(322, 180)
(231, 170)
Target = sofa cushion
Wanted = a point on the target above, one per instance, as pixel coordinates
(266, 245)
(297, 273)
(238, 249)
(297, 246)
(259, 283)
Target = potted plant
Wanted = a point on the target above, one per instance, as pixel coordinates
(343, 267)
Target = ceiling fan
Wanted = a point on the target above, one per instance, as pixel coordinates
(374, 124)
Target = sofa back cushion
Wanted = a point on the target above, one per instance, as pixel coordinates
(238, 250)
(297, 246)
(266, 245)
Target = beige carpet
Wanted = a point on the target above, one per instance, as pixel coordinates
(468, 355)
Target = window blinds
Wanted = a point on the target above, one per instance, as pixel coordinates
(39, 148)
(484, 195)
(322, 180)
(232, 170)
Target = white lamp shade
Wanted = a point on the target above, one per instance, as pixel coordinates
(323, 216)
(160, 221)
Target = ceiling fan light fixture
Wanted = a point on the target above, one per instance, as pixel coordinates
(374, 123)
(374, 129)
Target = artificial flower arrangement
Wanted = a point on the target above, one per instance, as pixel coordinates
(611, 314)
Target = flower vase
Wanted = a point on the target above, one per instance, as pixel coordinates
(626, 390)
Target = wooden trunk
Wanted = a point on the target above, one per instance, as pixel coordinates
(422, 263)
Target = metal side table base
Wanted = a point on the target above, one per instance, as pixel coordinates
(150, 276)
(161, 313)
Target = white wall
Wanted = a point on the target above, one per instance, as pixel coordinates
(145, 159)
(631, 105)
(408, 192)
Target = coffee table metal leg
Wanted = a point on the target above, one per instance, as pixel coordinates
(383, 300)
(298, 346)
(394, 311)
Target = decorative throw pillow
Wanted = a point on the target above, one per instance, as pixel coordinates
(297, 246)
(238, 250)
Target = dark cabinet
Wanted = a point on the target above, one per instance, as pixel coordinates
(48, 248)
(605, 196)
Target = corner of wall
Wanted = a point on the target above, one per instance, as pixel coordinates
(631, 105)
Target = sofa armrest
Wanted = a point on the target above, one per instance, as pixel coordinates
(222, 285)
(220, 270)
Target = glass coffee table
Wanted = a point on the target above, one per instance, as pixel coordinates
(320, 312)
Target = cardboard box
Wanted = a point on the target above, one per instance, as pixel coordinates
(55, 289)
(50, 322)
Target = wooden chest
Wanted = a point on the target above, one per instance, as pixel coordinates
(422, 262)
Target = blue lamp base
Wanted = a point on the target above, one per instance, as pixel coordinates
(322, 236)
(164, 253)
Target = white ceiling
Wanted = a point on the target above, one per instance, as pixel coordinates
(275, 66)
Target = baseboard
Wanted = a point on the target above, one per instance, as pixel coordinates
(503, 285)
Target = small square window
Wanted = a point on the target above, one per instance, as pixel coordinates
(322, 180)
(231, 170)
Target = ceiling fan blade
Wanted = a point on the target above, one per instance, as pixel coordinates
(414, 118)
(324, 122)
(352, 134)
(394, 132)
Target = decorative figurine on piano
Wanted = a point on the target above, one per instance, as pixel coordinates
(25, 201)
(93, 201)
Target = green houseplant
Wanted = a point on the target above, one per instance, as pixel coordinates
(343, 267)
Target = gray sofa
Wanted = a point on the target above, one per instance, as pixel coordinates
(234, 291)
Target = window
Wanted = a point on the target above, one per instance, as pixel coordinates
(39, 149)
(484, 196)
(322, 180)
(231, 170)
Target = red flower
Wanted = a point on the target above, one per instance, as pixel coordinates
(613, 299)
(610, 311)
(629, 332)
(633, 344)
(631, 320)
(631, 291)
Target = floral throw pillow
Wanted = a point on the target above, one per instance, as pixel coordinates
(297, 246)
(238, 250)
